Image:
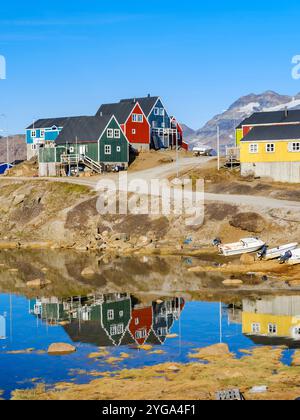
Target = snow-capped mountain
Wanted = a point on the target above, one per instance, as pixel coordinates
(239, 110)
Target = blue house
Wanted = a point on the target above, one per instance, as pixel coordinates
(159, 120)
(42, 132)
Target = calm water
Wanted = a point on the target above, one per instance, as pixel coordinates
(120, 322)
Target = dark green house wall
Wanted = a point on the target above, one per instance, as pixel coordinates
(115, 156)
(122, 316)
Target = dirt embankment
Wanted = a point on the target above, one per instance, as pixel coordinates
(194, 381)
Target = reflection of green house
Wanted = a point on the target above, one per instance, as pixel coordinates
(116, 316)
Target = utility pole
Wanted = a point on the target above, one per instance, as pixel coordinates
(218, 146)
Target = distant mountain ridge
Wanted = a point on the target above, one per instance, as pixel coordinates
(237, 112)
(17, 148)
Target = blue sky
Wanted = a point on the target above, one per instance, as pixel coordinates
(66, 58)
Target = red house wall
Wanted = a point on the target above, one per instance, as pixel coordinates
(142, 130)
(145, 317)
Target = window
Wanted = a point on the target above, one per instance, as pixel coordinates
(162, 331)
(118, 149)
(297, 332)
(116, 329)
(117, 134)
(33, 134)
(121, 314)
(42, 134)
(71, 149)
(137, 118)
(272, 329)
(156, 111)
(163, 125)
(110, 133)
(255, 328)
(136, 321)
(294, 147)
(111, 315)
(54, 128)
(141, 334)
(133, 131)
(33, 147)
(270, 148)
(253, 148)
(162, 112)
(107, 149)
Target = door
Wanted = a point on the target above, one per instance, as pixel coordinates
(82, 150)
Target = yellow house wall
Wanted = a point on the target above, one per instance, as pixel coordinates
(284, 323)
(238, 136)
(281, 154)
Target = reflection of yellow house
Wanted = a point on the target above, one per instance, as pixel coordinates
(274, 317)
(272, 151)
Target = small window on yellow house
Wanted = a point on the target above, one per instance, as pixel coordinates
(253, 148)
(294, 147)
(270, 148)
(255, 328)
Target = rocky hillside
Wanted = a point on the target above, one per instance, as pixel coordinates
(17, 148)
(242, 108)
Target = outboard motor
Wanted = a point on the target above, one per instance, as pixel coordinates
(263, 252)
(217, 242)
(284, 258)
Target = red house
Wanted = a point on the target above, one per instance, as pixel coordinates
(132, 120)
(141, 324)
(177, 135)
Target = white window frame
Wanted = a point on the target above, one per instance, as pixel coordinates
(33, 134)
(133, 131)
(110, 133)
(72, 150)
(272, 329)
(140, 118)
(156, 111)
(118, 149)
(33, 146)
(140, 334)
(255, 328)
(162, 112)
(136, 321)
(117, 133)
(121, 314)
(107, 149)
(42, 134)
(253, 148)
(269, 146)
(110, 315)
(294, 146)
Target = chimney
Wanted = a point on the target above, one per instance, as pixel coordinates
(101, 114)
(286, 112)
(149, 96)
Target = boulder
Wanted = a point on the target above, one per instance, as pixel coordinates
(247, 259)
(19, 199)
(61, 349)
(232, 282)
(88, 272)
(251, 222)
(119, 237)
(143, 241)
(37, 283)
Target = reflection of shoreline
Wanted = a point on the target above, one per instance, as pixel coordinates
(114, 319)
(273, 321)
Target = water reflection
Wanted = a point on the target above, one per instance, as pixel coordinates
(114, 319)
(269, 320)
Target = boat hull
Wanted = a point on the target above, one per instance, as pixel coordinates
(273, 254)
(231, 253)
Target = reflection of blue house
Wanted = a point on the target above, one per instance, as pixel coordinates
(43, 131)
(2, 327)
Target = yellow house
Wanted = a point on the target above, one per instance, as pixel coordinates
(272, 318)
(272, 151)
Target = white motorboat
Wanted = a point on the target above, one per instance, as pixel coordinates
(291, 257)
(273, 253)
(244, 246)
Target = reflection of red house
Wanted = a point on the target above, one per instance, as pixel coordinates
(141, 323)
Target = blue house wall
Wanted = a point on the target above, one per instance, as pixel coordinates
(50, 135)
(159, 121)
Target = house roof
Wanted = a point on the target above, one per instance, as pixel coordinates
(273, 132)
(50, 122)
(146, 103)
(273, 117)
(84, 129)
(120, 110)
